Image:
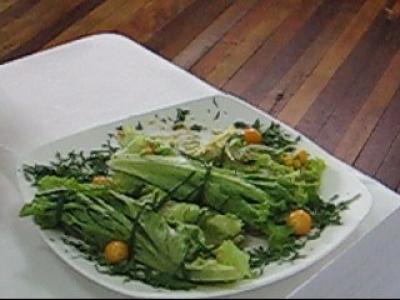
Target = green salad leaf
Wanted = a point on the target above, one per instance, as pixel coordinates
(185, 209)
(216, 227)
(223, 191)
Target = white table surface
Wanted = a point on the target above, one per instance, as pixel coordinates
(106, 77)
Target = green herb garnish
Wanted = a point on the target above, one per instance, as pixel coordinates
(217, 115)
(214, 101)
(139, 126)
(196, 127)
(75, 165)
(181, 115)
(182, 208)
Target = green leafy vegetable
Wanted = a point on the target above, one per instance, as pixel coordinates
(139, 126)
(181, 115)
(224, 191)
(230, 264)
(75, 165)
(184, 208)
(196, 127)
(216, 227)
(98, 215)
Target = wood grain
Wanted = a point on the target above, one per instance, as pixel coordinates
(119, 17)
(287, 56)
(24, 28)
(5, 4)
(369, 115)
(217, 53)
(331, 68)
(177, 34)
(221, 63)
(257, 65)
(149, 19)
(343, 80)
(347, 107)
(12, 10)
(212, 34)
(309, 91)
(87, 23)
(35, 35)
(388, 171)
(378, 144)
(276, 99)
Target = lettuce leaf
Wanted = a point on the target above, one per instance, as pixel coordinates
(222, 190)
(216, 227)
(230, 264)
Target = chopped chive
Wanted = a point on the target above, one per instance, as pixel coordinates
(217, 115)
(139, 126)
(215, 102)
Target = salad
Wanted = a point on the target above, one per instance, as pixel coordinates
(176, 211)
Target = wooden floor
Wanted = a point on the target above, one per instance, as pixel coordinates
(329, 68)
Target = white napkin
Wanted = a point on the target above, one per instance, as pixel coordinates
(80, 85)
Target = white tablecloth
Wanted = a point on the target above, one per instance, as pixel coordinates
(106, 77)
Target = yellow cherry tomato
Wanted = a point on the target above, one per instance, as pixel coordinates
(101, 180)
(252, 136)
(287, 160)
(116, 251)
(302, 156)
(300, 221)
(296, 163)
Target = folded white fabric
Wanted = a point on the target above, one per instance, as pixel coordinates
(83, 84)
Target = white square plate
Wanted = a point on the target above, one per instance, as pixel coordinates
(336, 180)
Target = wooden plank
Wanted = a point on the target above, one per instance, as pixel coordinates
(287, 56)
(344, 84)
(379, 142)
(83, 26)
(276, 99)
(346, 108)
(120, 16)
(309, 91)
(150, 18)
(24, 28)
(52, 23)
(388, 171)
(10, 13)
(6, 4)
(222, 62)
(257, 65)
(186, 26)
(367, 118)
(212, 34)
(234, 36)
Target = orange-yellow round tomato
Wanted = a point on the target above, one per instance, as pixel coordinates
(302, 156)
(252, 136)
(300, 221)
(101, 180)
(116, 251)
